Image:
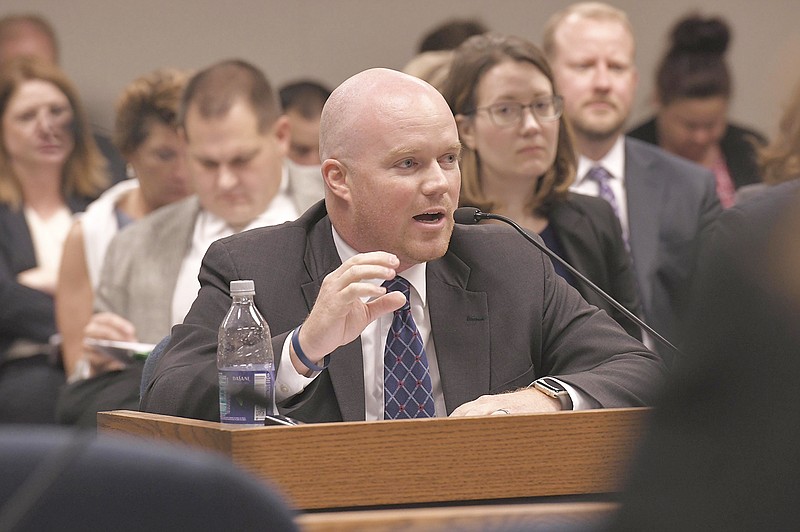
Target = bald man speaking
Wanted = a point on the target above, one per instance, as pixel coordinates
(381, 308)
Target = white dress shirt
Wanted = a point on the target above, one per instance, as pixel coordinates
(373, 342)
(614, 163)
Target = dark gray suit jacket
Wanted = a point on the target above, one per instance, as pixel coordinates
(499, 314)
(671, 205)
(591, 238)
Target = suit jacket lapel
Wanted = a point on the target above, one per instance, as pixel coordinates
(19, 242)
(346, 369)
(644, 189)
(460, 325)
(572, 226)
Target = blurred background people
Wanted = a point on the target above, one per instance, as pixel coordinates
(780, 159)
(31, 35)
(302, 103)
(146, 133)
(435, 49)
(27, 35)
(664, 203)
(450, 34)
(519, 161)
(693, 95)
(236, 144)
(432, 67)
(49, 169)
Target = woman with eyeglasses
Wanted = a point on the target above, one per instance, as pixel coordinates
(519, 161)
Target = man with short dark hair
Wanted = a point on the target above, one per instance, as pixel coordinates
(302, 103)
(236, 140)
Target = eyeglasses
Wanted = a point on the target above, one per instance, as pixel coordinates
(507, 114)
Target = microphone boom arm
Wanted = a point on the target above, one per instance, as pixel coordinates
(478, 215)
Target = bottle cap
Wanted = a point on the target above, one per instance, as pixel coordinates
(243, 288)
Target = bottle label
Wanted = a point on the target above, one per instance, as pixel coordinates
(245, 396)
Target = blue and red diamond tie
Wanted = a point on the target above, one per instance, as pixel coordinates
(407, 389)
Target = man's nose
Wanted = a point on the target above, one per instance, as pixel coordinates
(226, 179)
(436, 180)
(601, 78)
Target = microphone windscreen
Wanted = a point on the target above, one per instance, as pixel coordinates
(466, 215)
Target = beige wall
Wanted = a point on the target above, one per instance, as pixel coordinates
(106, 43)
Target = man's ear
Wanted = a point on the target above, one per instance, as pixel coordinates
(466, 130)
(336, 177)
(283, 133)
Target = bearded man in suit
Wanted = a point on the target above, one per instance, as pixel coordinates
(664, 203)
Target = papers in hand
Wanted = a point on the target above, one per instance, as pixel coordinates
(124, 351)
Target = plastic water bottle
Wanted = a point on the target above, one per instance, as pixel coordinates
(245, 361)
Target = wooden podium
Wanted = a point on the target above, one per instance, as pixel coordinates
(346, 465)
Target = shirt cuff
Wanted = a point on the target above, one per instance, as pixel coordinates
(288, 382)
(580, 401)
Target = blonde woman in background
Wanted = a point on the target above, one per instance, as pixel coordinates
(49, 169)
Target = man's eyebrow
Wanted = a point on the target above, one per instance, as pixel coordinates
(398, 153)
(401, 152)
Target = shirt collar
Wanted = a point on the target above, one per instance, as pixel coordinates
(613, 162)
(415, 275)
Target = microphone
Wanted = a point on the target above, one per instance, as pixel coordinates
(472, 215)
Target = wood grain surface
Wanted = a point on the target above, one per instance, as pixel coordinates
(342, 465)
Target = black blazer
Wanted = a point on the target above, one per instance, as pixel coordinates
(738, 146)
(500, 316)
(591, 237)
(24, 312)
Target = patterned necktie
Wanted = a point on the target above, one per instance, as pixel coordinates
(407, 389)
(601, 176)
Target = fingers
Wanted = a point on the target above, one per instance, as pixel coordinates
(350, 298)
(353, 276)
(109, 326)
(385, 304)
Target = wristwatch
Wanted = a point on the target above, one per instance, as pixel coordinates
(552, 388)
